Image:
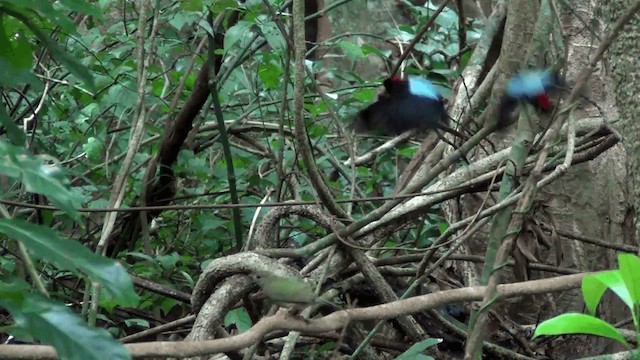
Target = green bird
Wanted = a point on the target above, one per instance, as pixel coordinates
(290, 292)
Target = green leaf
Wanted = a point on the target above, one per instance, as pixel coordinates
(273, 36)
(16, 135)
(364, 95)
(191, 5)
(72, 64)
(351, 50)
(270, 74)
(93, 148)
(238, 32)
(614, 281)
(415, 351)
(630, 271)
(84, 7)
(574, 323)
(15, 48)
(592, 291)
(220, 5)
(240, 318)
(38, 177)
(54, 324)
(47, 245)
(41, 178)
(369, 49)
(44, 9)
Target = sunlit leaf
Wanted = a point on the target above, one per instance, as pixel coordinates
(612, 280)
(592, 291)
(415, 351)
(630, 272)
(574, 323)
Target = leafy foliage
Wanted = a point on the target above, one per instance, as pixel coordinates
(54, 324)
(623, 282)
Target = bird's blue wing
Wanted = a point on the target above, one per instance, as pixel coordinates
(526, 84)
(423, 87)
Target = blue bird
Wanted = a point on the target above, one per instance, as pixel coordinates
(533, 87)
(414, 103)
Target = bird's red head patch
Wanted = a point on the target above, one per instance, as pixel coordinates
(544, 102)
(396, 78)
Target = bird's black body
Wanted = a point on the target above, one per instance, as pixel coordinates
(533, 87)
(406, 105)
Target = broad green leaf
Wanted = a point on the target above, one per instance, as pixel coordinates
(273, 36)
(239, 31)
(614, 281)
(415, 351)
(167, 305)
(38, 177)
(54, 324)
(574, 323)
(630, 271)
(592, 291)
(47, 245)
(191, 5)
(448, 18)
(270, 74)
(240, 318)
(43, 179)
(178, 21)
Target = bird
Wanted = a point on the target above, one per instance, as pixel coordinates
(289, 292)
(533, 87)
(413, 103)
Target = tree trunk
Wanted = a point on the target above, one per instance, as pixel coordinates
(590, 200)
(624, 86)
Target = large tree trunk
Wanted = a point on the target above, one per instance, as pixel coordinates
(591, 199)
(624, 85)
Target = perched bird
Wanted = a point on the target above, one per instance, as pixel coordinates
(289, 292)
(533, 87)
(414, 103)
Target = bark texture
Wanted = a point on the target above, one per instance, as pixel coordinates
(591, 199)
(624, 85)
